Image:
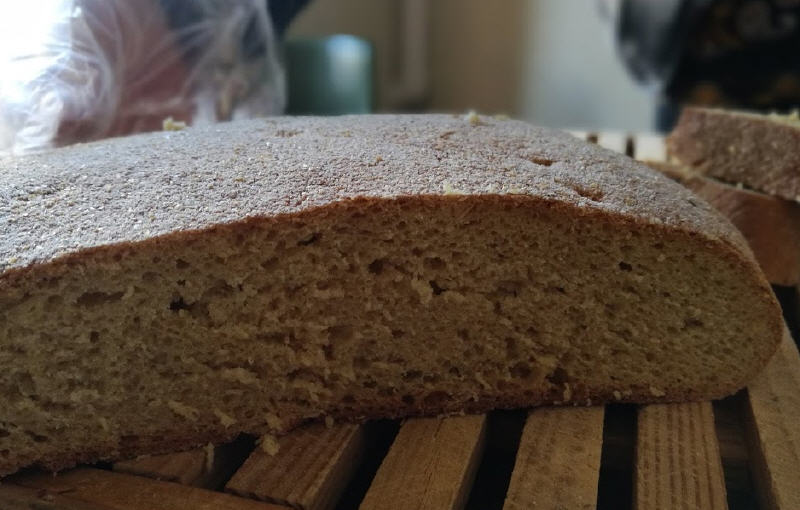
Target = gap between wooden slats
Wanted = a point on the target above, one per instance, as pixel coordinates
(773, 429)
(310, 470)
(431, 465)
(558, 461)
(678, 464)
(107, 490)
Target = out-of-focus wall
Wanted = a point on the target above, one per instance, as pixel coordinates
(549, 61)
(477, 55)
(573, 76)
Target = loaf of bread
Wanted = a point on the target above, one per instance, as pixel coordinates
(761, 152)
(770, 225)
(172, 289)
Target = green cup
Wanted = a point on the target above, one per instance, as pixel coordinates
(329, 75)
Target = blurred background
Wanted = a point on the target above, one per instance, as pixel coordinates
(76, 70)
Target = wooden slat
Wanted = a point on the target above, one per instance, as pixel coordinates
(678, 464)
(431, 465)
(309, 471)
(203, 467)
(649, 147)
(117, 491)
(558, 461)
(613, 140)
(773, 427)
(14, 497)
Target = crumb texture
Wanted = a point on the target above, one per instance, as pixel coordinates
(288, 273)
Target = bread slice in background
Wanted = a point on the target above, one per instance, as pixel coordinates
(771, 225)
(162, 291)
(762, 152)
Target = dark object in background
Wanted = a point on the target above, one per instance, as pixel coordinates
(732, 53)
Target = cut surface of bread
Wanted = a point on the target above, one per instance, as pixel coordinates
(770, 225)
(162, 291)
(760, 151)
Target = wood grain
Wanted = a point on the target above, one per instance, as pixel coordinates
(431, 465)
(310, 470)
(108, 490)
(558, 461)
(773, 429)
(203, 467)
(678, 463)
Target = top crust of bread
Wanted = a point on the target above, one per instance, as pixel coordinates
(132, 189)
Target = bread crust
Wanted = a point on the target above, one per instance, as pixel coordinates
(762, 152)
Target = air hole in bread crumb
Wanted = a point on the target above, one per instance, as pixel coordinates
(412, 375)
(91, 299)
(408, 399)
(558, 377)
(435, 287)
(463, 334)
(94, 337)
(511, 347)
(624, 266)
(376, 266)
(398, 333)
(435, 399)
(181, 264)
(5, 453)
(311, 239)
(339, 333)
(521, 370)
(179, 304)
(434, 263)
(4, 433)
(691, 322)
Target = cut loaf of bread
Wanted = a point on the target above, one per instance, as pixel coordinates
(165, 290)
(762, 152)
(770, 225)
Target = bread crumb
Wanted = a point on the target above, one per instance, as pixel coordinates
(224, 419)
(656, 392)
(188, 412)
(273, 422)
(170, 124)
(329, 422)
(473, 118)
(104, 424)
(269, 444)
(450, 190)
(567, 392)
(240, 375)
(209, 448)
(617, 395)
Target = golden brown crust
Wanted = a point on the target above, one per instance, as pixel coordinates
(762, 152)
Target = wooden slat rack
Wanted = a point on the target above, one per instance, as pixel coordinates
(741, 453)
